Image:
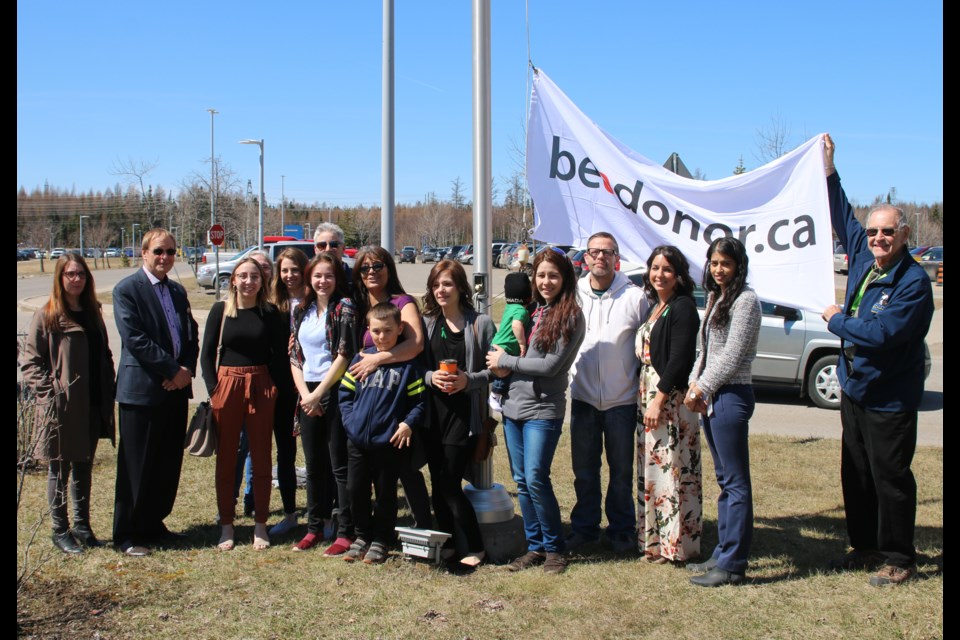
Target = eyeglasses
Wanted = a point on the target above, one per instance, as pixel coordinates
(606, 253)
(75, 275)
(376, 266)
(159, 252)
(333, 244)
(886, 231)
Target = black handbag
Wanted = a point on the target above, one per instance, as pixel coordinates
(201, 438)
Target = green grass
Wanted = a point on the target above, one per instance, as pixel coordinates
(194, 591)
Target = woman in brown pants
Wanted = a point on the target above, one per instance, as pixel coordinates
(251, 337)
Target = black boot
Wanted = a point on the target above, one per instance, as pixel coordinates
(66, 542)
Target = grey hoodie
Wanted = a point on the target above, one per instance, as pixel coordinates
(538, 386)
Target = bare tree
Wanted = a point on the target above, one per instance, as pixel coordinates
(457, 199)
(773, 139)
(135, 173)
(98, 236)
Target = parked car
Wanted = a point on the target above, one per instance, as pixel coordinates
(429, 254)
(794, 349)
(350, 252)
(408, 254)
(56, 252)
(916, 252)
(442, 253)
(502, 257)
(840, 259)
(931, 260)
(453, 252)
(580, 265)
(111, 252)
(208, 276)
(466, 254)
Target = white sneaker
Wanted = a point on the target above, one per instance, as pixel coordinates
(494, 402)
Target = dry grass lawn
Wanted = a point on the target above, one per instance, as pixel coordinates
(192, 591)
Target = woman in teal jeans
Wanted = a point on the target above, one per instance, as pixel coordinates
(534, 408)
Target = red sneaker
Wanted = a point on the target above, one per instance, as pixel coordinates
(338, 548)
(309, 541)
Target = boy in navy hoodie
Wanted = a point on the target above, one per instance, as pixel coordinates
(379, 413)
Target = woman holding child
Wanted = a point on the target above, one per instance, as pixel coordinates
(535, 405)
(456, 404)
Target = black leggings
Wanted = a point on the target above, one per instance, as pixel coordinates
(447, 466)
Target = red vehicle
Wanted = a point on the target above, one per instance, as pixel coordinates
(350, 252)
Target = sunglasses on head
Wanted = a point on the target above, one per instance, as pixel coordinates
(376, 266)
(333, 244)
(887, 231)
(159, 252)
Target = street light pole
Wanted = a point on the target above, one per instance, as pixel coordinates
(81, 234)
(283, 204)
(133, 231)
(259, 143)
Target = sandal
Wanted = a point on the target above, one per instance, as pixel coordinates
(473, 559)
(339, 547)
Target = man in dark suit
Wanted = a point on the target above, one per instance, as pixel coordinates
(158, 359)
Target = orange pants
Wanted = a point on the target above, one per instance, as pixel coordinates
(244, 396)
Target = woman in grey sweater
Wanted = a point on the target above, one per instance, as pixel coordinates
(534, 408)
(721, 390)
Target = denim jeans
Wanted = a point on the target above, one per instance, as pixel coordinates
(531, 445)
(592, 431)
(727, 433)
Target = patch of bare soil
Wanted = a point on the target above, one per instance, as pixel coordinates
(61, 609)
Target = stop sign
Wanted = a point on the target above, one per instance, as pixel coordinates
(217, 235)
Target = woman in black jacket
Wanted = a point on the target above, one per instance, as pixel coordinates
(668, 434)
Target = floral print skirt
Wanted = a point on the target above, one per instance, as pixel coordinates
(670, 500)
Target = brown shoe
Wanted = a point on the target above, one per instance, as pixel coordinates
(890, 575)
(527, 560)
(555, 563)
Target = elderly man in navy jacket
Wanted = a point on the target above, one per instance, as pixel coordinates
(889, 305)
(158, 359)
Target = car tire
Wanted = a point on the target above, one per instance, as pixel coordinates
(223, 281)
(823, 385)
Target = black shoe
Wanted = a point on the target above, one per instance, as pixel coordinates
(165, 535)
(84, 535)
(132, 549)
(717, 577)
(66, 543)
(702, 567)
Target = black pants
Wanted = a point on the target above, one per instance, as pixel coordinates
(286, 447)
(338, 461)
(148, 467)
(879, 491)
(379, 467)
(447, 466)
(315, 432)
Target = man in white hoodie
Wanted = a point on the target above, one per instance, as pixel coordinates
(604, 399)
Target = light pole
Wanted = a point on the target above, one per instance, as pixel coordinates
(81, 234)
(213, 200)
(123, 233)
(133, 231)
(283, 203)
(259, 143)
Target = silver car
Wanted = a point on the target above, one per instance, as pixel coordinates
(794, 349)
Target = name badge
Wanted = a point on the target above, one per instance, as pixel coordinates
(881, 304)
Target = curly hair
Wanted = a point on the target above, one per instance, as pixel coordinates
(556, 323)
(733, 249)
(459, 276)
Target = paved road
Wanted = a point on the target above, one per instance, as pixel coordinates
(778, 412)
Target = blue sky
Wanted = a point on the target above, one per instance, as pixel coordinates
(102, 81)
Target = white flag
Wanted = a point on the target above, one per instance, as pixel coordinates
(582, 181)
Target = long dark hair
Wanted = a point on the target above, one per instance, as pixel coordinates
(56, 306)
(680, 266)
(556, 323)
(281, 294)
(340, 279)
(394, 288)
(430, 306)
(733, 249)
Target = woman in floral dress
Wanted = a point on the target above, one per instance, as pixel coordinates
(668, 434)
